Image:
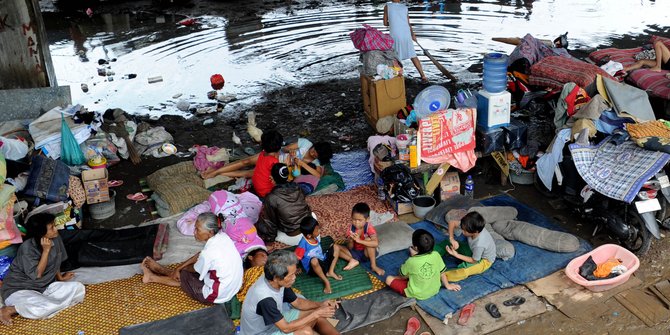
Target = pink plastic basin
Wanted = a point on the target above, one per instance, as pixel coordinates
(600, 255)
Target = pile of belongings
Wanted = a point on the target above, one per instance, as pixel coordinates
(609, 269)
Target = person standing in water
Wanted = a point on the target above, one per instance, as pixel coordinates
(396, 17)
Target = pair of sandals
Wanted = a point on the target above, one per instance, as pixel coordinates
(493, 309)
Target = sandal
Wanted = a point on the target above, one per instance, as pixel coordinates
(413, 326)
(139, 196)
(115, 183)
(493, 310)
(515, 301)
(466, 313)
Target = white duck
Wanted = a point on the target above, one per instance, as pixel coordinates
(253, 131)
(237, 141)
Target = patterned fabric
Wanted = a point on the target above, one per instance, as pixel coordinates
(334, 210)
(554, 71)
(650, 128)
(369, 38)
(48, 179)
(76, 192)
(623, 56)
(535, 50)
(617, 171)
(249, 278)
(645, 54)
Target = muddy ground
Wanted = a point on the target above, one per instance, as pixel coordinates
(310, 111)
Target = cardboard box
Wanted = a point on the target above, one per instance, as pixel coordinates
(382, 98)
(450, 185)
(400, 207)
(95, 185)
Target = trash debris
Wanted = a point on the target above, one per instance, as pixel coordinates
(102, 61)
(176, 96)
(204, 110)
(156, 79)
(187, 22)
(615, 313)
(168, 148)
(208, 122)
(102, 71)
(226, 97)
(211, 95)
(183, 105)
(343, 95)
(89, 12)
(160, 19)
(129, 76)
(84, 88)
(217, 81)
(338, 114)
(446, 318)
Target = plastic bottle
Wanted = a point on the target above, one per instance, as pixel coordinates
(469, 187)
(237, 330)
(495, 72)
(413, 156)
(380, 189)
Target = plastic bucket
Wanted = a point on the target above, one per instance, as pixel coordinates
(524, 178)
(103, 210)
(495, 72)
(422, 205)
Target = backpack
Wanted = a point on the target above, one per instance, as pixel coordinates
(399, 183)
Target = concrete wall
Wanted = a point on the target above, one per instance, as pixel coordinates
(23, 104)
(25, 61)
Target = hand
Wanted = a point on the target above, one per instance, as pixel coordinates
(454, 243)
(412, 251)
(176, 274)
(330, 303)
(453, 287)
(66, 276)
(46, 243)
(325, 312)
(413, 37)
(298, 161)
(355, 237)
(451, 251)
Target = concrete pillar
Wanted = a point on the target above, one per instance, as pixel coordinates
(25, 61)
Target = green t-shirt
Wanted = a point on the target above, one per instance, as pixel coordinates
(423, 272)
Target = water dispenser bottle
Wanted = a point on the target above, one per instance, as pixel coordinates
(495, 72)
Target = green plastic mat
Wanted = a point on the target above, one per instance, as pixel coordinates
(234, 308)
(353, 281)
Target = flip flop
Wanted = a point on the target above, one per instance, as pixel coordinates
(115, 183)
(515, 301)
(466, 313)
(493, 310)
(137, 196)
(413, 326)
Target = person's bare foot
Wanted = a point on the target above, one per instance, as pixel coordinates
(352, 264)
(154, 266)
(379, 271)
(327, 289)
(207, 174)
(334, 275)
(6, 314)
(655, 69)
(148, 275)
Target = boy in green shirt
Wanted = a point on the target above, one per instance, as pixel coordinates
(421, 274)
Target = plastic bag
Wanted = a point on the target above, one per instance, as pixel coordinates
(5, 262)
(70, 152)
(369, 38)
(13, 149)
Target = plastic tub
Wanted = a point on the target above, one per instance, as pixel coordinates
(422, 205)
(600, 255)
(524, 178)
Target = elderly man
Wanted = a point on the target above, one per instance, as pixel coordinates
(272, 308)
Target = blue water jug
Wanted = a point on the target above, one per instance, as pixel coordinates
(495, 72)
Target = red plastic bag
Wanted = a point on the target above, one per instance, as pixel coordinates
(369, 38)
(217, 81)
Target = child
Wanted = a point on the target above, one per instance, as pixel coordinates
(396, 17)
(421, 274)
(481, 243)
(271, 143)
(363, 241)
(313, 259)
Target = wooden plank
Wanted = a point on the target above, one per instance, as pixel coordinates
(646, 307)
(664, 288)
(572, 299)
(481, 322)
(436, 178)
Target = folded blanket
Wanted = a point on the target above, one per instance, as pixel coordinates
(531, 234)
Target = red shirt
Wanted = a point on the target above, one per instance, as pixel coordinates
(261, 179)
(363, 234)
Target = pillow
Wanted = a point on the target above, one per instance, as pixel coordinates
(555, 71)
(393, 236)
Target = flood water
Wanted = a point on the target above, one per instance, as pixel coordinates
(267, 47)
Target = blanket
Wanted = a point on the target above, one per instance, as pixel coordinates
(528, 264)
(368, 309)
(616, 171)
(354, 168)
(211, 320)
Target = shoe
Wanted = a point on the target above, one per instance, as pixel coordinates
(493, 310)
(515, 301)
(137, 196)
(115, 183)
(466, 313)
(413, 326)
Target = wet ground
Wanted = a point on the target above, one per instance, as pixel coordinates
(292, 63)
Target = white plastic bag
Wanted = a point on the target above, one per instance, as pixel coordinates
(13, 149)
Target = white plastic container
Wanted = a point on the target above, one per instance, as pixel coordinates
(493, 109)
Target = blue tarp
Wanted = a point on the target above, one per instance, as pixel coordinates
(354, 168)
(529, 263)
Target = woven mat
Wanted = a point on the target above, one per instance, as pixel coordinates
(354, 281)
(110, 306)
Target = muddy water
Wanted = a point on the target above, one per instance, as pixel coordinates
(259, 47)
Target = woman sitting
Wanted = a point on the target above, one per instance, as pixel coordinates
(212, 276)
(34, 286)
(662, 61)
(283, 209)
